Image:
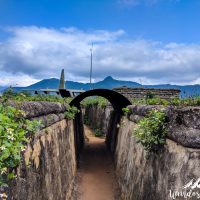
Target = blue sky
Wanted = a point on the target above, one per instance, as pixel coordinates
(156, 41)
(162, 20)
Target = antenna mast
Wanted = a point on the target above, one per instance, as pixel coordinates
(91, 51)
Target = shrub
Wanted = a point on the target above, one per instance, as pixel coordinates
(126, 111)
(13, 137)
(71, 112)
(176, 101)
(9, 93)
(98, 133)
(138, 101)
(86, 120)
(151, 131)
(102, 102)
(150, 95)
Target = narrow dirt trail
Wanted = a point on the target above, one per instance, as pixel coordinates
(96, 172)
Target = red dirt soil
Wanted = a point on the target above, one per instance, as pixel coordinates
(96, 172)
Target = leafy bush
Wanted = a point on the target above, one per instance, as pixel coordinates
(150, 95)
(89, 101)
(126, 111)
(9, 93)
(164, 102)
(157, 101)
(71, 112)
(15, 130)
(13, 137)
(138, 101)
(86, 120)
(151, 131)
(176, 101)
(102, 102)
(98, 133)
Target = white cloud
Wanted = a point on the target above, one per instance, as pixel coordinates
(34, 53)
(17, 79)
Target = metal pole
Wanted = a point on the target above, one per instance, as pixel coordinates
(91, 68)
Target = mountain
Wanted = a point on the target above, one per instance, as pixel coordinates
(2, 89)
(109, 83)
(53, 83)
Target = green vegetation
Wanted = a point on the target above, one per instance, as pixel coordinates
(98, 133)
(15, 132)
(151, 131)
(86, 120)
(192, 101)
(150, 95)
(126, 111)
(71, 112)
(25, 96)
(101, 101)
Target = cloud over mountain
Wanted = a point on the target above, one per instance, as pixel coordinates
(32, 53)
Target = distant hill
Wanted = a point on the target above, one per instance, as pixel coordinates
(53, 83)
(2, 89)
(109, 83)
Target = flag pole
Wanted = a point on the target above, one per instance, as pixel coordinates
(91, 62)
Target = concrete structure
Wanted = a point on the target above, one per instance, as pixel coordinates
(161, 175)
(48, 167)
(141, 93)
(60, 91)
(117, 100)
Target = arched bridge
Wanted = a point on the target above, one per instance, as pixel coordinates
(117, 100)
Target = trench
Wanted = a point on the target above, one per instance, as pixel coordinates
(55, 151)
(95, 157)
(96, 170)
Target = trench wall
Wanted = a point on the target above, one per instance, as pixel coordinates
(48, 166)
(104, 119)
(161, 175)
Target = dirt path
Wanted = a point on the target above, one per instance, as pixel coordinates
(96, 170)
